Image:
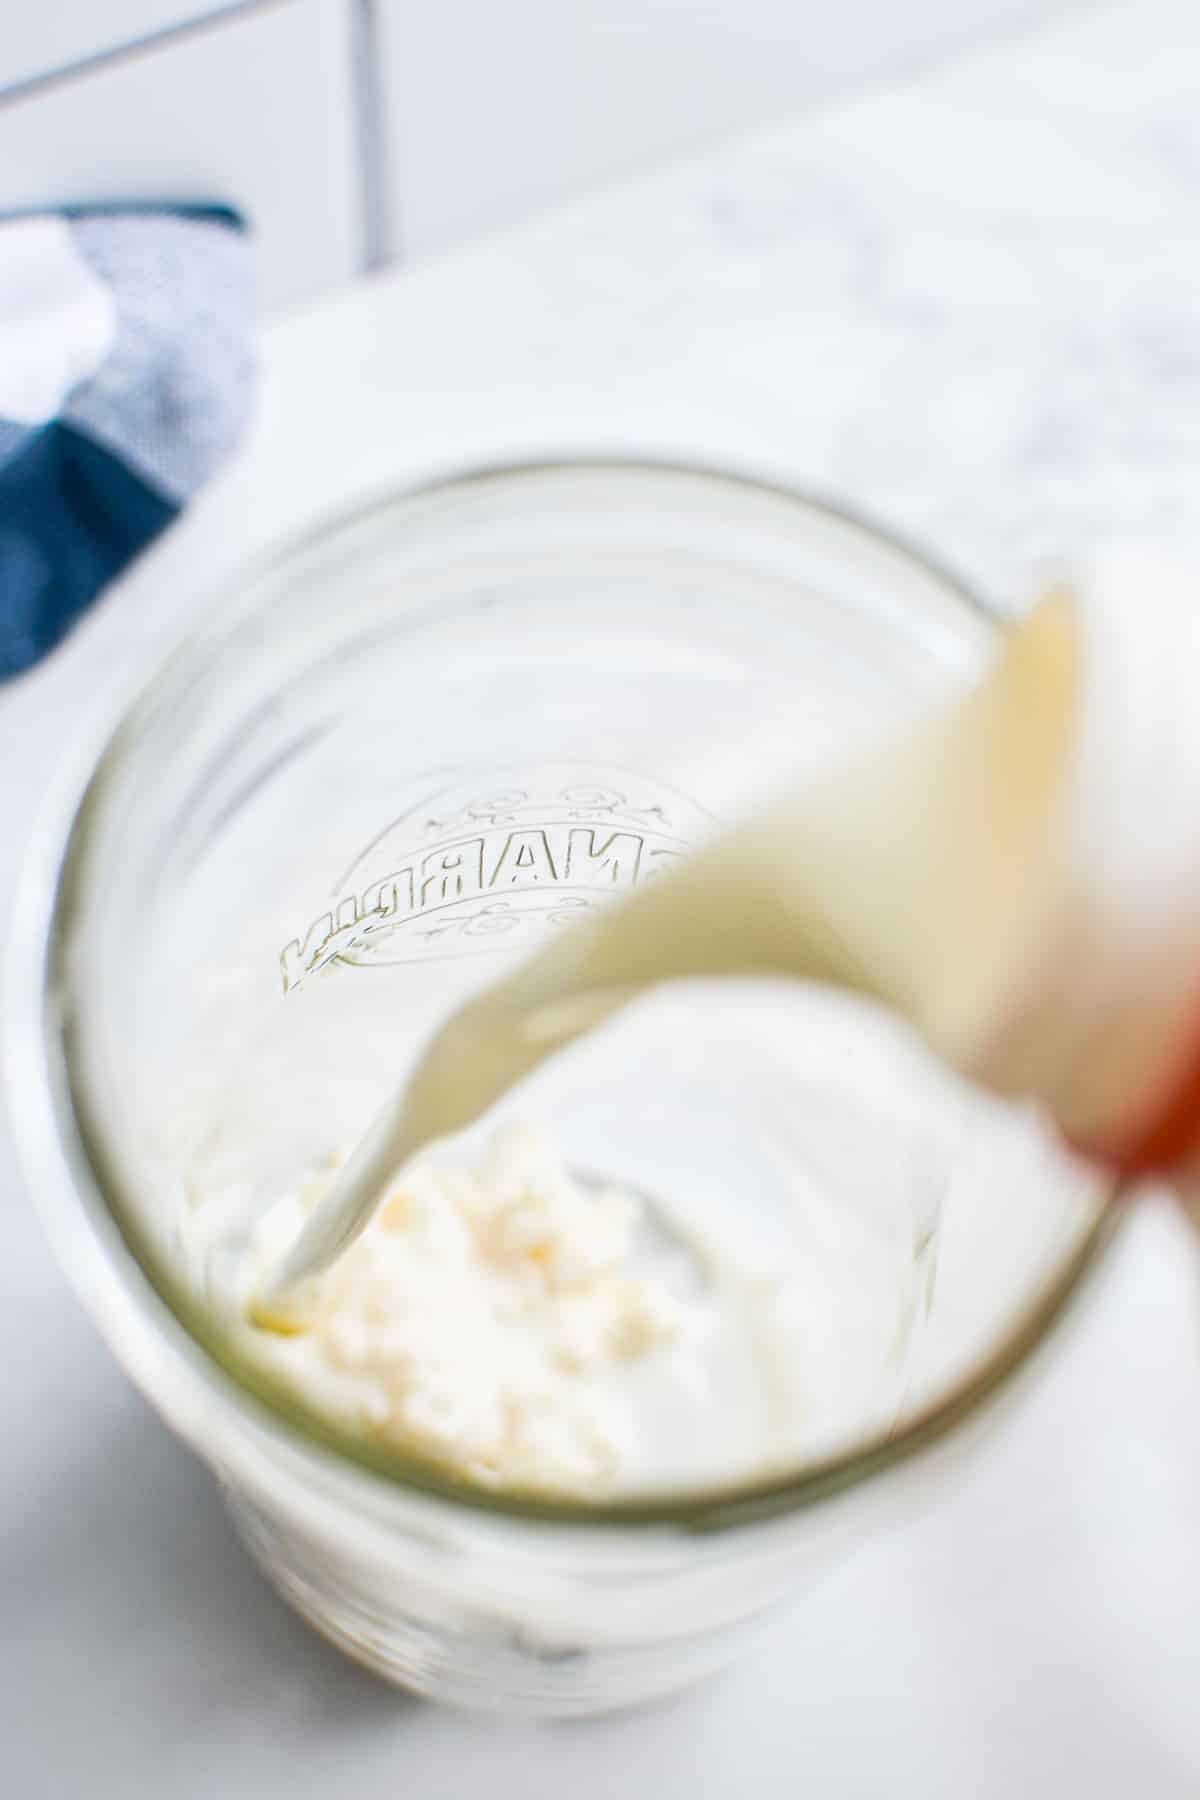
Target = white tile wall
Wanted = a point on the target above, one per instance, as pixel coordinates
(255, 109)
(499, 106)
(483, 109)
(40, 36)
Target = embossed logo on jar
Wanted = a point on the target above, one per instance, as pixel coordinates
(456, 876)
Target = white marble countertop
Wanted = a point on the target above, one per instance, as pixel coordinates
(971, 306)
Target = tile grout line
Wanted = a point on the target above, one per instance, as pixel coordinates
(32, 86)
(381, 241)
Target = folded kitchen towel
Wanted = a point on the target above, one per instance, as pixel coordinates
(126, 365)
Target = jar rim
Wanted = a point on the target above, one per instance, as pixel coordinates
(161, 1335)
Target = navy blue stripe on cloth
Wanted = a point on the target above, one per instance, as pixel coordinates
(71, 516)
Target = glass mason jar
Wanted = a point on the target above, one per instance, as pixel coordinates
(393, 761)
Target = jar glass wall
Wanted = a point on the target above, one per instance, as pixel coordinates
(399, 757)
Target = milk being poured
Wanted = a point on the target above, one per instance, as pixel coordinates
(914, 875)
(950, 873)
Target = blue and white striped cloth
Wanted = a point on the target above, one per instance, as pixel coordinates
(126, 364)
